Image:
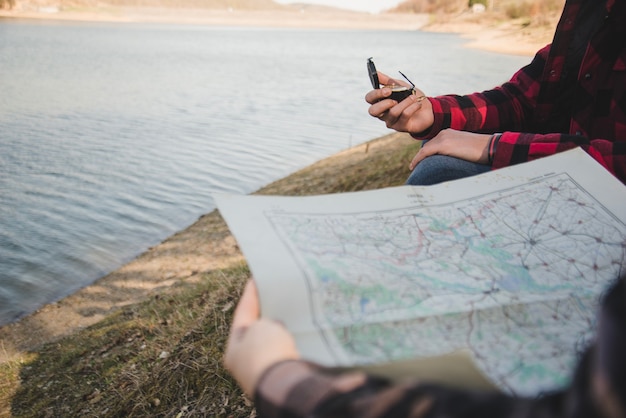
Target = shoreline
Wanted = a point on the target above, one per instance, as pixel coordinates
(207, 244)
(486, 31)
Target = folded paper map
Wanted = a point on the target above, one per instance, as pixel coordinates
(489, 281)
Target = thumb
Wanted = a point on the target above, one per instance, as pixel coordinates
(248, 309)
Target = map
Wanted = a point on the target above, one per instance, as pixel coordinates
(395, 284)
(507, 267)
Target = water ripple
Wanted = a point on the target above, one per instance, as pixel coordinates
(112, 137)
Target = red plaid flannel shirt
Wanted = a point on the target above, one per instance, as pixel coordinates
(524, 106)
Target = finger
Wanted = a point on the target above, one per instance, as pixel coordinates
(425, 151)
(417, 100)
(248, 309)
(376, 95)
(381, 107)
(384, 78)
(406, 107)
(398, 111)
(414, 161)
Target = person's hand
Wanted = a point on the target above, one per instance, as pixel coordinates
(414, 114)
(254, 343)
(460, 144)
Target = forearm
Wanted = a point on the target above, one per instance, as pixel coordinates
(297, 388)
(504, 108)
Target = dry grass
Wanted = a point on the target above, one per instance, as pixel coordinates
(158, 358)
(162, 357)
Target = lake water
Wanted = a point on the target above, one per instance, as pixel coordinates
(114, 136)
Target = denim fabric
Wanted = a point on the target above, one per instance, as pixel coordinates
(439, 168)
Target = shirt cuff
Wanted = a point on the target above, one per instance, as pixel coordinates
(437, 124)
(297, 387)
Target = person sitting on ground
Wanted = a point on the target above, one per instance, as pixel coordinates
(262, 356)
(572, 94)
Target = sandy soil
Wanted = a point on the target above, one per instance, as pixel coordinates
(492, 33)
(207, 244)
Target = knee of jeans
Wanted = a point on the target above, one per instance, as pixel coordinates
(440, 168)
(428, 171)
(423, 172)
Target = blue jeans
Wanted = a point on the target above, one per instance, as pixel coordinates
(439, 168)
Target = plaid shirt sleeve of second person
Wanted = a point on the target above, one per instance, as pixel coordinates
(296, 388)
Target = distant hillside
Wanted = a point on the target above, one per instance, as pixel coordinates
(430, 6)
(237, 5)
(200, 4)
(510, 8)
(314, 7)
(196, 4)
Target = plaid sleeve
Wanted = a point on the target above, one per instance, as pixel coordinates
(515, 148)
(299, 389)
(296, 388)
(503, 108)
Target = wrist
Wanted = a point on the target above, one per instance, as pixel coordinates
(427, 124)
(266, 362)
(265, 344)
